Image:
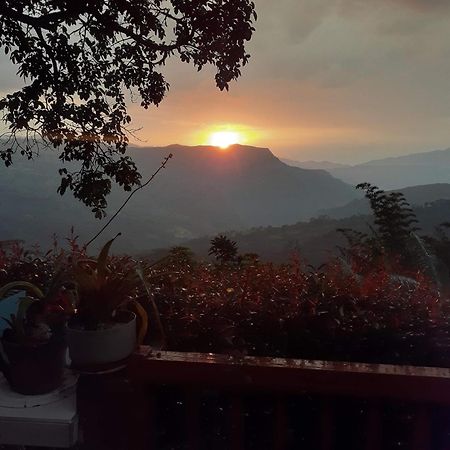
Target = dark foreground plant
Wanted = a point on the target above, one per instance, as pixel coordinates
(290, 310)
(80, 61)
(266, 309)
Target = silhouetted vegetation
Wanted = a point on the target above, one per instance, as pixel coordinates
(80, 61)
(287, 310)
(386, 301)
(292, 311)
(224, 249)
(391, 235)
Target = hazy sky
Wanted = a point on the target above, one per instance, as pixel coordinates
(343, 80)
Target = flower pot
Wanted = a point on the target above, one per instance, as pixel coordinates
(35, 368)
(112, 343)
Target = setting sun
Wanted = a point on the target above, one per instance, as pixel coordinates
(224, 139)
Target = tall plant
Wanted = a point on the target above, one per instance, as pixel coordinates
(393, 216)
(391, 240)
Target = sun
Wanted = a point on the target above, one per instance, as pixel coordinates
(224, 139)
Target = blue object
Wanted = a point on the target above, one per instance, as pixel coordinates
(8, 306)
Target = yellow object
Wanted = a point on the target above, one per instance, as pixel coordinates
(21, 286)
(142, 322)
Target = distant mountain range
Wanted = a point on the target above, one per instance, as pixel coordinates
(315, 240)
(416, 196)
(393, 173)
(315, 165)
(203, 190)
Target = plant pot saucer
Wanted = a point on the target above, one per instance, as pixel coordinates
(100, 369)
(12, 399)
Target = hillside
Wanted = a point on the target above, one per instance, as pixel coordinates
(416, 195)
(314, 165)
(395, 173)
(315, 240)
(203, 191)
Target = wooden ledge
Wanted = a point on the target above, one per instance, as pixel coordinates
(290, 376)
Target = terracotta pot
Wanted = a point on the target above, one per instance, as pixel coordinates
(114, 342)
(35, 368)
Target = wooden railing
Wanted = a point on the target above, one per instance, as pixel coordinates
(249, 402)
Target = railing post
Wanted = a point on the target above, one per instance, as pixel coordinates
(237, 423)
(373, 428)
(329, 383)
(327, 425)
(280, 426)
(193, 419)
(142, 422)
(421, 437)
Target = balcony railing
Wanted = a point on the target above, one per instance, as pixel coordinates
(208, 401)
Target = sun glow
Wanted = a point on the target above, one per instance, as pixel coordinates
(222, 135)
(224, 139)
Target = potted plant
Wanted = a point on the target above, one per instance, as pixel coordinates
(104, 328)
(34, 348)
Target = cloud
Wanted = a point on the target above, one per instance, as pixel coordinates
(426, 5)
(338, 42)
(8, 75)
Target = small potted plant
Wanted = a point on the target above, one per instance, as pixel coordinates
(34, 348)
(104, 329)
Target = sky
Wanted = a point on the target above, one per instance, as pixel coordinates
(339, 80)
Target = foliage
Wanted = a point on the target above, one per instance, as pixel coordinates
(290, 311)
(439, 246)
(316, 239)
(38, 315)
(80, 61)
(96, 287)
(104, 285)
(224, 249)
(395, 223)
(393, 215)
(35, 266)
(16, 263)
(180, 257)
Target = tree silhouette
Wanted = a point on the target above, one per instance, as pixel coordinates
(395, 221)
(393, 215)
(224, 249)
(80, 60)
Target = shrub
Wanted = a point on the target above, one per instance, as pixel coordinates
(287, 310)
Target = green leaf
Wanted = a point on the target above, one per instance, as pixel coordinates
(102, 260)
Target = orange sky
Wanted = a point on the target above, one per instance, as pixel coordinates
(343, 80)
(339, 80)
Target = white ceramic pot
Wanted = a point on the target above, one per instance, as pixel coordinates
(108, 345)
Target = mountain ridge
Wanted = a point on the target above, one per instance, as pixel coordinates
(203, 190)
(314, 241)
(311, 164)
(415, 195)
(399, 171)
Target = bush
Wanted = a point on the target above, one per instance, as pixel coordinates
(331, 313)
(289, 311)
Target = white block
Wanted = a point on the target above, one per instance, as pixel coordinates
(48, 420)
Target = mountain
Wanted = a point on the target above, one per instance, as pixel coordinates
(415, 195)
(315, 240)
(202, 191)
(397, 172)
(314, 165)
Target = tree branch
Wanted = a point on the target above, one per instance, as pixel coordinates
(46, 21)
(142, 186)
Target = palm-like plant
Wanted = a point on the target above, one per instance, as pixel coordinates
(103, 290)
